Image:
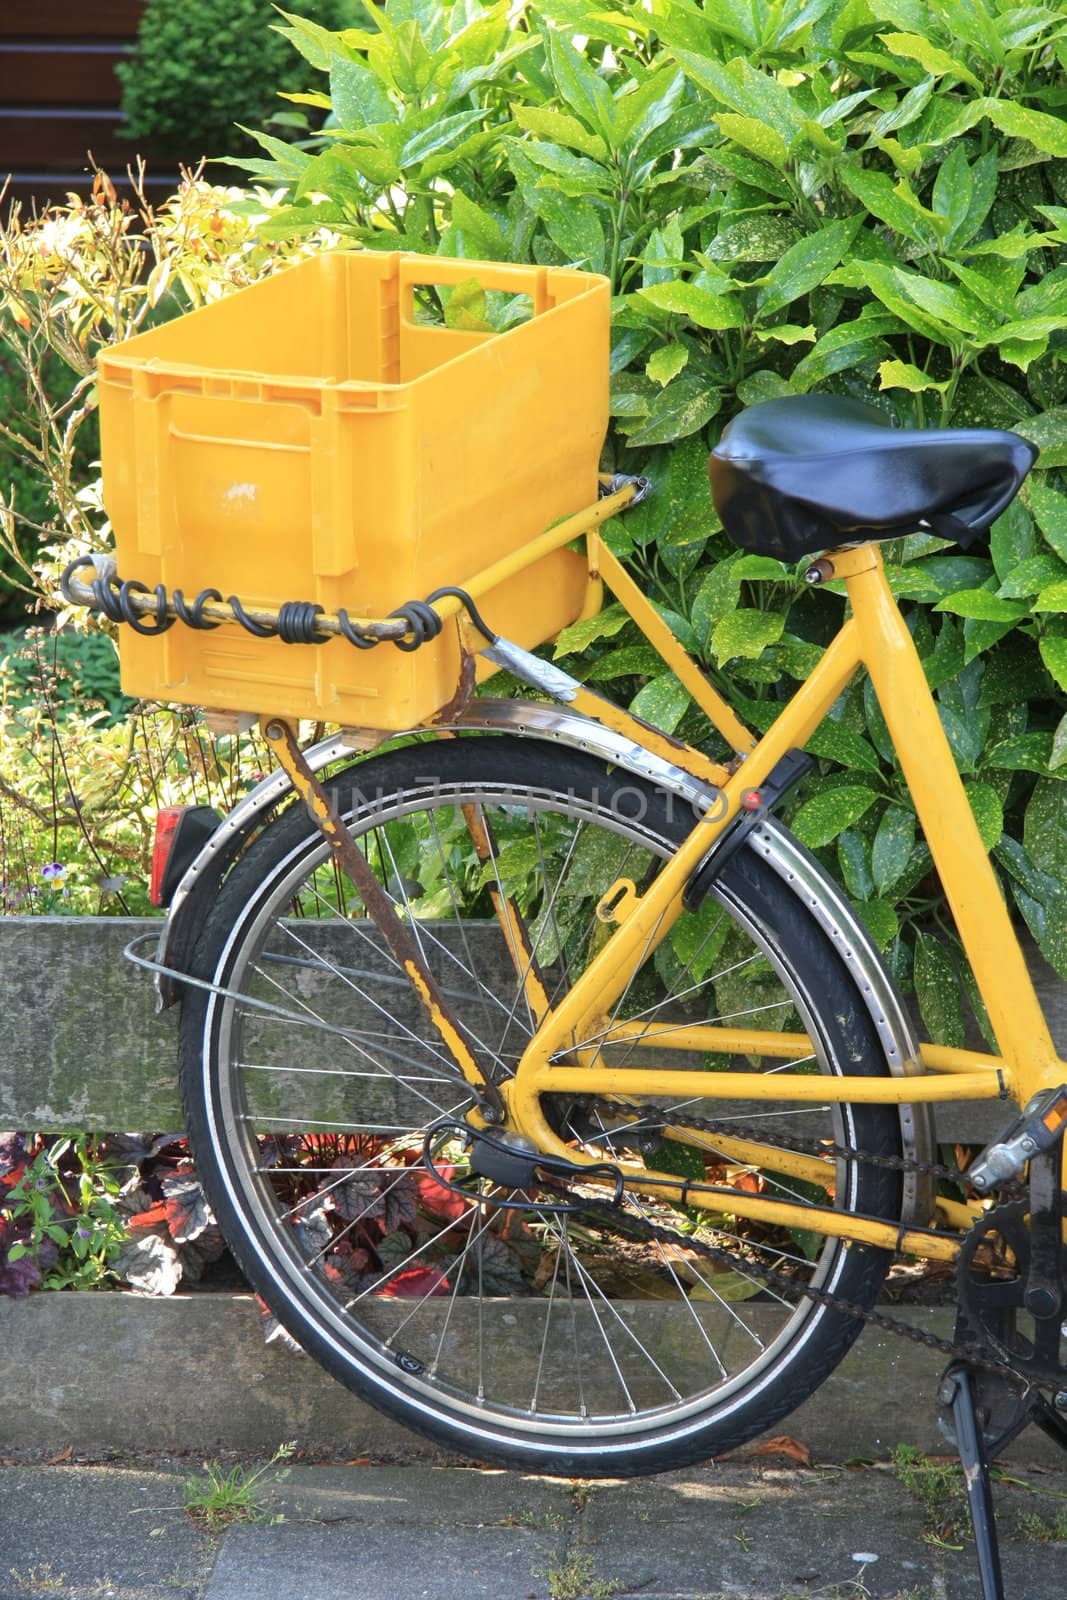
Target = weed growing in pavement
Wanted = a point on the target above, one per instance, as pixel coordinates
(573, 1579)
(1051, 1530)
(223, 1497)
(938, 1487)
(39, 1578)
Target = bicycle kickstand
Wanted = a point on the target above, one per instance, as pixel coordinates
(957, 1395)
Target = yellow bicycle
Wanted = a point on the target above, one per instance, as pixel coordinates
(549, 1091)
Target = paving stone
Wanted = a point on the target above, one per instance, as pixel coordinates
(382, 1561)
(763, 1535)
(97, 1533)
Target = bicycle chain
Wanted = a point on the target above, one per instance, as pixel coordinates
(781, 1281)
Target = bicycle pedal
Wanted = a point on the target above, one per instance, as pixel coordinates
(1041, 1124)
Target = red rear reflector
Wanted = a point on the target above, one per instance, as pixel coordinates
(167, 822)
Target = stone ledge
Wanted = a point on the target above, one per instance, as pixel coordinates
(111, 1371)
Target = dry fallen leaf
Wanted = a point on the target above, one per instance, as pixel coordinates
(64, 1455)
(781, 1445)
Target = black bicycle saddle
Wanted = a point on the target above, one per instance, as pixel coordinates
(793, 476)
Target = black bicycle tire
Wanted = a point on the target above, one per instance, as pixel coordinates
(814, 964)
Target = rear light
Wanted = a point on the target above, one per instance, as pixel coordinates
(180, 833)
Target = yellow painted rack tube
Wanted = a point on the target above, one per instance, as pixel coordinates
(384, 629)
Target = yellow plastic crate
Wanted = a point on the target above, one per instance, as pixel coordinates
(309, 439)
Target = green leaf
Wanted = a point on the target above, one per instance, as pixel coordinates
(820, 819)
(853, 855)
(359, 98)
(949, 303)
(1058, 757)
(678, 510)
(1041, 899)
(1054, 655)
(444, 133)
(1049, 432)
(576, 176)
(983, 605)
(980, 636)
(984, 177)
(746, 633)
(892, 848)
(788, 333)
(559, 128)
(805, 265)
(706, 310)
(478, 234)
(964, 737)
(937, 990)
(881, 920)
(1050, 512)
(938, 63)
(666, 362)
(844, 346)
(763, 385)
(988, 811)
(576, 230)
(628, 661)
(314, 42)
(1012, 540)
(883, 281)
(663, 702)
(762, 237)
(583, 89)
(761, 568)
(648, 107)
(1031, 576)
(685, 405)
(290, 161)
(604, 625)
(465, 307)
(1052, 598)
(891, 203)
(953, 190)
(902, 375)
(1045, 133)
(756, 136)
(1023, 752)
(1045, 828)
(744, 89)
(833, 741)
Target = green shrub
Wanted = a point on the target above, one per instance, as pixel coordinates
(81, 777)
(23, 488)
(867, 198)
(200, 67)
(77, 671)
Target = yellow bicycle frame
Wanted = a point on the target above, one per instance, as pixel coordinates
(874, 637)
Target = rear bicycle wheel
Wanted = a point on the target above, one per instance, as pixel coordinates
(586, 1343)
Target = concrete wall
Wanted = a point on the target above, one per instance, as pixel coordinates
(82, 1047)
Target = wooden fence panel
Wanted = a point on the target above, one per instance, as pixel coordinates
(59, 96)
